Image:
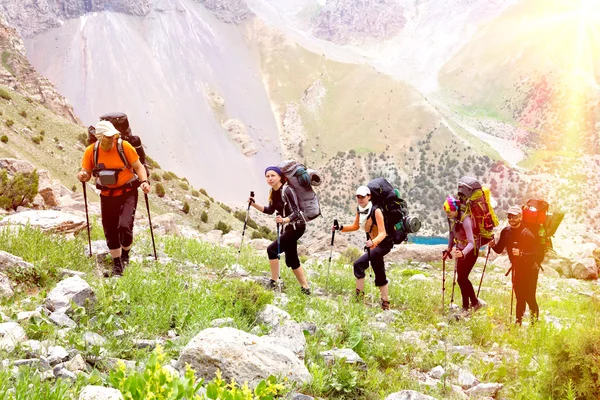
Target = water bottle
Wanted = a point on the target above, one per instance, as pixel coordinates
(542, 234)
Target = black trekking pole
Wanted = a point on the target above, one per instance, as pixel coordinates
(443, 284)
(336, 225)
(278, 252)
(512, 289)
(244, 230)
(150, 222)
(87, 218)
(483, 273)
(453, 282)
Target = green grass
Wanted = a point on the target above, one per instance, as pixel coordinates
(192, 289)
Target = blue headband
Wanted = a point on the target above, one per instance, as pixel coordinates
(275, 169)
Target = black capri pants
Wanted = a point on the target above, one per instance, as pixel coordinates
(118, 213)
(376, 257)
(288, 244)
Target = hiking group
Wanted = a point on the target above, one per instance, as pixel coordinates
(116, 159)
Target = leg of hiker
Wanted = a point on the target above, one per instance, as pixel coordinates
(378, 265)
(464, 267)
(360, 266)
(530, 288)
(109, 209)
(126, 221)
(519, 285)
(289, 245)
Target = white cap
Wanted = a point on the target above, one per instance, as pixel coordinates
(362, 191)
(515, 210)
(105, 128)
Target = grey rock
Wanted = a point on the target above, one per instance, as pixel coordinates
(11, 334)
(309, 327)
(5, 286)
(69, 272)
(47, 220)
(466, 379)
(298, 396)
(485, 389)
(65, 374)
(272, 316)
(26, 315)
(241, 356)
(464, 350)
(221, 322)
(73, 289)
(119, 333)
(330, 356)
(388, 316)
(409, 395)
(111, 363)
(585, 269)
(57, 354)
(418, 278)
(437, 372)
(93, 339)
(290, 335)
(77, 363)
(9, 262)
(30, 361)
(62, 319)
(146, 343)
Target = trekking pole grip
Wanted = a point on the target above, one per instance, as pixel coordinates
(337, 225)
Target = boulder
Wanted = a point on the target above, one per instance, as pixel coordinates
(272, 316)
(409, 395)
(330, 356)
(221, 322)
(240, 356)
(290, 335)
(14, 166)
(11, 334)
(502, 262)
(214, 236)
(259, 244)
(437, 372)
(416, 252)
(232, 238)
(91, 392)
(549, 272)
(47, 220)
(166, 224)
(62, 319)
(5, 286)
(585, 269)
(9, 262)
(466, 379)
(73, 289)
(562, 266)
(485, 389)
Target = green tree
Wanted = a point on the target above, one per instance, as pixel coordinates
(18, 190)
(160, 190)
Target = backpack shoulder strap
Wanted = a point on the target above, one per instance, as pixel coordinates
(95, 154)
(122, 153)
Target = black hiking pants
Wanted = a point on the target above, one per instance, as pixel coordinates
(464, 266)
(118, 213)
(525, 285)
(376, 258)
(288, 244)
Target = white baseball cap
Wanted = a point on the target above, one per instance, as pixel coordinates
(105, 128)
(363, 191)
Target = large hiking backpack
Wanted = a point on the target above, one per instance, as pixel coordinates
(475, 201)
(302, 181)
(542, 224)
(121, 123)
(398, 223)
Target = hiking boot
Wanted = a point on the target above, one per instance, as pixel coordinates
(385, 304)
(272, 284)
(359, 296)
(125, 258)
(480, 304)
(306, 291)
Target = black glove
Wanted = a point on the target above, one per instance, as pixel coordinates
(446, 254)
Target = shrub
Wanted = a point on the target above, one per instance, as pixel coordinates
(574, 364)
(55, 139)
(225, 207)
(83, 138)
(42, 132)
(204, 217)
(207, 203)
(9, 122)
(155, 177)
(186, 207)
(350, 254)
(29, 100)
(184, 186)
(23, 113)
(160, 190)
(18, 190)
(195, 193)
(167, 176)
(4, 94)
(203, 191)
(4, 139)
(36, 139)
(151, 163)
(223, 227)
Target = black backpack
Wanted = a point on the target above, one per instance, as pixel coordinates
(121, 123)
(398, 223)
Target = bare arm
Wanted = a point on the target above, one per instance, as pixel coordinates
(140, 171)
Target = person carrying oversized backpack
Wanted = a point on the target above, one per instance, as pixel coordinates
(462, 246)
(378, 244)
(521, 245)
(284, 202)
(114, 163)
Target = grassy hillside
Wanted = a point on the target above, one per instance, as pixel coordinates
(190, 290)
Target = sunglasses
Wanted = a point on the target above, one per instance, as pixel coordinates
(511, 216)
(358, 196)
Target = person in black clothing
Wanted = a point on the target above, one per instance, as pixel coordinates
(520, 244)
(282, 200)
(378, 245)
